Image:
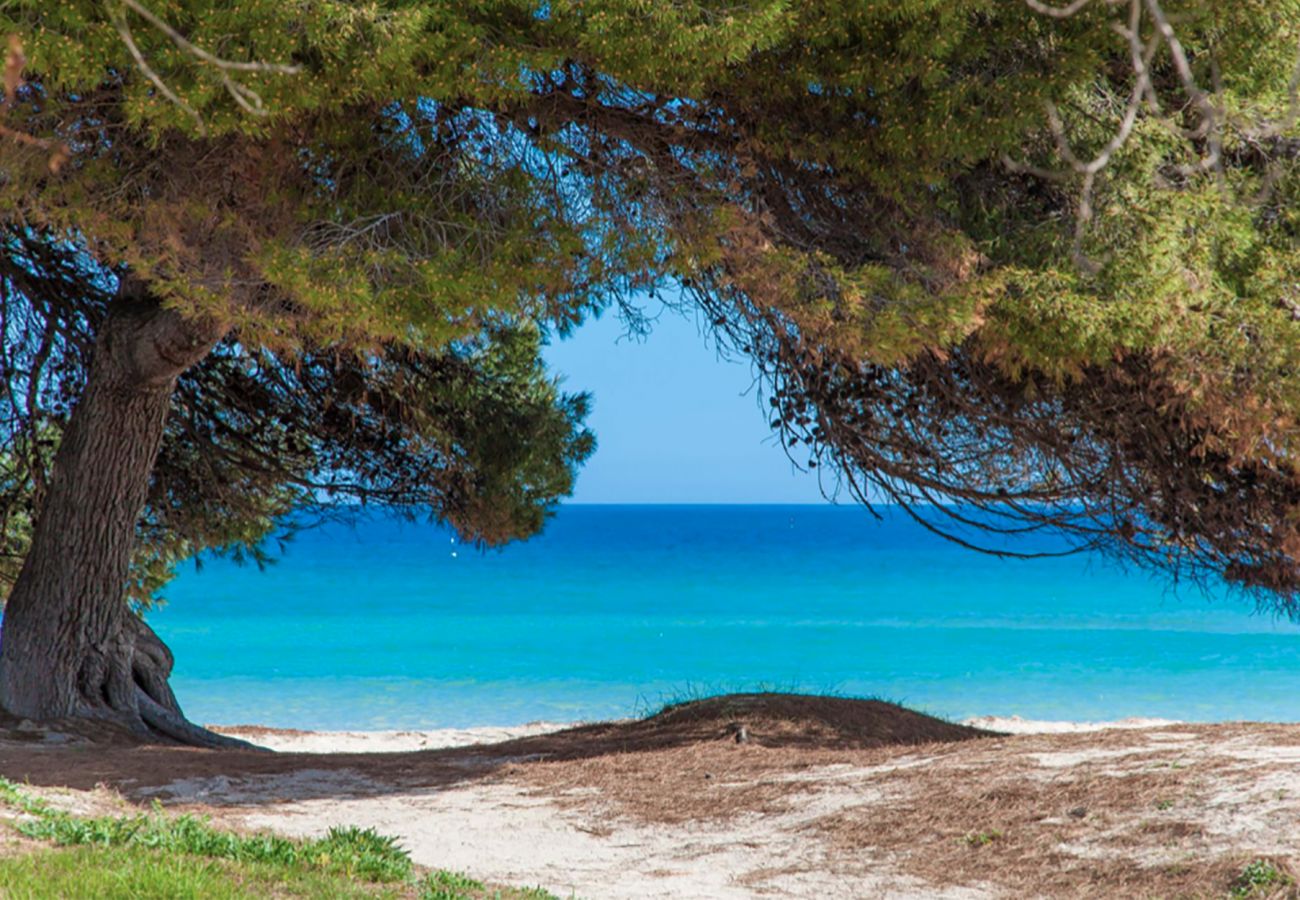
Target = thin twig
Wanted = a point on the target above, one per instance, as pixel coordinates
(1057, 12)
(1198, 96)
(125, 31)
(225, 64)
(247, 98)
(15, 60)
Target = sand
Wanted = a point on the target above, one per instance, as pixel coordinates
(622, 811)
(286, 740)
(1017, 725)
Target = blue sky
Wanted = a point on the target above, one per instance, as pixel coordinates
(674, 423)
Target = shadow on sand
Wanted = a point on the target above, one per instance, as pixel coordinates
(83, 756)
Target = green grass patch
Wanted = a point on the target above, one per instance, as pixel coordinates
(355, 852)
(1260, 877)
(443, 885)
(137, 873)
(982, 838)
(154, 854)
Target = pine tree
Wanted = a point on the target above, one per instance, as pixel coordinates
(1037, 260)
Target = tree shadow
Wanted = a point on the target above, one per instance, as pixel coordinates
(86, 755)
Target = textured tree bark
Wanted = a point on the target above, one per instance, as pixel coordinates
(70, 647)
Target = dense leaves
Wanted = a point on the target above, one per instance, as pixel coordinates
(475, 434)
(1041, 264)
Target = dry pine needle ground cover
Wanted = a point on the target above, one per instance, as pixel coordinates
(847, 790)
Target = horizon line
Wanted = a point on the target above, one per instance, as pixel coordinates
(715, 503)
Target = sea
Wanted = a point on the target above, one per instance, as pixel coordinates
(613, 611)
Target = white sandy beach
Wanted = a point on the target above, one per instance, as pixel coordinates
(286, 740)
(1017, 725)
(295, 741)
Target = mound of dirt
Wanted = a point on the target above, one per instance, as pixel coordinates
(712, 759)
(796, 720)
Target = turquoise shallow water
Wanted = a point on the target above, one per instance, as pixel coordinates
(616, 609)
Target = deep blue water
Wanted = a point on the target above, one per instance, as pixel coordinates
(616, 609)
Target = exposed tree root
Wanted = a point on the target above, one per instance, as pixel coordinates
(139, 696)
(156, 704)
(178, 728)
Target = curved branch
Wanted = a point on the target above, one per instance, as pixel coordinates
(127, 38)
(247, 99)
(1058, 12)
(226, 64)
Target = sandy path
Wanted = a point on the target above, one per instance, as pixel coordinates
(511, 835)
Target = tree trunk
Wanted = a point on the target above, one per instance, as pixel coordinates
(70, 646)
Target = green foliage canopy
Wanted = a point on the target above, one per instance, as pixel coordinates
(891, 207)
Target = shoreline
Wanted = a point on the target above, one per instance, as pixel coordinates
(294, 740)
